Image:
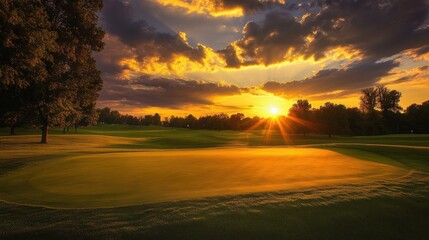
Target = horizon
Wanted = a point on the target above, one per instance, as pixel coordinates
(214, 119)
(179, 58)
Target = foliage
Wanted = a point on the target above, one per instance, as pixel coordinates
(46, 67)
(330, 119)
(333, 119)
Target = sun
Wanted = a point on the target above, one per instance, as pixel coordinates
(274, 111)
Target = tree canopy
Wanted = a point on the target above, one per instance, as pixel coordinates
(46, 60)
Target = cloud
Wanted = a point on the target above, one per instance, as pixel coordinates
(224, 8)
(408, 77)
(108, 60)
(376, 29)
(163, 92)
(148, 44)
(335, 82)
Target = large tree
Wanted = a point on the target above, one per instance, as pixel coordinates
(59, 94)
(26, 43)
(46, 63)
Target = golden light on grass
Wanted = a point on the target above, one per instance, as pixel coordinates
(127, 178)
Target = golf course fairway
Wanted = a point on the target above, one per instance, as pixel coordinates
(131, 178)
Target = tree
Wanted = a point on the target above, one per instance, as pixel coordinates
(368, 104)
(356, 121)
(417, 116)
(88, 82)
(148, 120)
(333, 119)
(12, 109)
(368, 100)
(300, 113)
(156, 119)
(191, 121)
(388, 100)
(76, 25)
(236, 120)
(46, 58)
(89, 116)
(26, 40)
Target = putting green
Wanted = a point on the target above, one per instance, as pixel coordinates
(118, 179)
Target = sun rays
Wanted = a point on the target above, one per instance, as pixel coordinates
(281, 125)
(274, 111)
(274, 124)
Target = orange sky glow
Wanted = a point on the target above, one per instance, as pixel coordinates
(206, 57)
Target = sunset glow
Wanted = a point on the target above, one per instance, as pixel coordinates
(214, 119)
(224, 42)
(274, 111)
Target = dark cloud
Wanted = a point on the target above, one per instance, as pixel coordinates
(117, 20)
(108, 60)
(269, 42)
(358, 75)
(378, 29)
(162, 92)
(248, 6)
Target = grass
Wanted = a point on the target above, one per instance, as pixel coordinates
(197, 184)
(129, 178)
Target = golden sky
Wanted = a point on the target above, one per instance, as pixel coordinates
(205, 57)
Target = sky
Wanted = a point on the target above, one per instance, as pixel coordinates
(227, 56)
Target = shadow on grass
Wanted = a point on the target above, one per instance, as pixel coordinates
(400, 157)
(387, 210)
(174, 143)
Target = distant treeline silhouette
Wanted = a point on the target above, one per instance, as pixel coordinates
(379, 113)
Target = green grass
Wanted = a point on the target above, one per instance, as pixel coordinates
(130, 178)
(161, 137)
(89, 168)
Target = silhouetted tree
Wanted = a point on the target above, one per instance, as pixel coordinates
(388, 100)
(300, 111)
(368, 104)
(388, 103)
(356, 121)
(417, 116)
(333, 119)
(368, 100)
(236, 120)
(156, 120)
(191, 122)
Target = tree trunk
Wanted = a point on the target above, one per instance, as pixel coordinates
(64, 130)
(75, 129)
(67, 129)
(12, 130)
(44, 134)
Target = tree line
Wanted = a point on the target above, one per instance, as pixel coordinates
(48, 76)
(379, 113)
